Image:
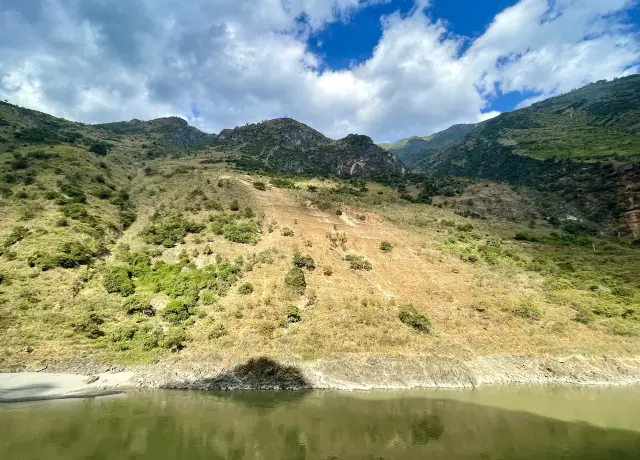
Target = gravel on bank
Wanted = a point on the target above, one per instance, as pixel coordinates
(80, 378)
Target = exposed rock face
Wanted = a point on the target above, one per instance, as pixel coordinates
(287, 145)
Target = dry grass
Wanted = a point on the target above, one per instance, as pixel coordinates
(351, 311)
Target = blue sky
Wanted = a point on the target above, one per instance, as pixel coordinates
(387, 69)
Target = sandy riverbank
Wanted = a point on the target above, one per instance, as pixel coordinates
(84, 379)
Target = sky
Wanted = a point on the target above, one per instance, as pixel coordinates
(385, 68)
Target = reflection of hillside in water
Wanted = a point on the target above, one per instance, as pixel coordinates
(309, 425)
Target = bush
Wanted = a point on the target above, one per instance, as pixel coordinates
(70, 255)
(295, 280)
(99, 148)
(234, 206)
(282, 182)
(410, 316)
(358, 262)
(386, 246)
(312, 188)
(292, 314)
(170, 231)
(73, 191)
(177, 311)
(245, 289)
(241, 232)
(527, 309)
(328, 271)
(17, 234)
(117, 278)
(175, 339)
(124, 333)
(90, 326)
(248, 213)
(303, 261)
(260, 185)
(584, 316)
(136, 305)
(338, 212)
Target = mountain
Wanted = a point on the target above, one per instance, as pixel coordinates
(173, 131)
(580, 148)
(137, 242)
(415, 149)
(287, 145)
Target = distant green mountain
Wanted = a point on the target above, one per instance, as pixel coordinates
(414, 149)
(582, 147)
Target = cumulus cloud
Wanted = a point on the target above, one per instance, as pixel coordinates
(238, 61)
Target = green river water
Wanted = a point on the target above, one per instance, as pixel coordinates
(487, 423)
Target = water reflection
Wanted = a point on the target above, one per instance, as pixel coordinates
(283, 426)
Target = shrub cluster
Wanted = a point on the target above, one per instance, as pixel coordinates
(292, 314)
(295, 279)
(245, 289)
(69, 255)
(170, 231)
(117, 279)
(303, 261)
(260, 185)
(386, 246)
(357, 262)
(410, 316)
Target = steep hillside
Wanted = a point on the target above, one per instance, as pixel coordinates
(582, 148)
(287, 145)
(116, 256)
(413, 150)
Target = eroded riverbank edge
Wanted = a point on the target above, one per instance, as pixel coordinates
(79, 377)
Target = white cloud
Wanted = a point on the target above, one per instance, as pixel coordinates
(247, 60)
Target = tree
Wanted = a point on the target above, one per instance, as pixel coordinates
(99, 148)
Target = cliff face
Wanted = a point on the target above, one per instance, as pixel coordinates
(287, 145)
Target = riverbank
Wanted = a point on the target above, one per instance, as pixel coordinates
(80, 378)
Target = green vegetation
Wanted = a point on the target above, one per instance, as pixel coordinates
(303, 261)
(117, 278)
(385, 246)
(245, 289)
(281, 182)
(292, 314)
(357, 262)
(527, 309)
(233, 229)
(259, 185)
(177, 311)
(99, 148)
(170, 231)
(286, 231)
(410, 316)
(295, 279)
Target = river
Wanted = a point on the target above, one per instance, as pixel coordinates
(507, 422)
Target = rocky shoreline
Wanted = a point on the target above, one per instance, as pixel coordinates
(85, 378)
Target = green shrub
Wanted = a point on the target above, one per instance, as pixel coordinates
(207, 251)
(124, 333)
(90, 326)
(17, 234)
(170, 231)
(207, 297)
(357, 262)
(328, 271)
(410, 316)
(338, 212)
(127, 218)
(69, 255)
(386, 246)
(286, 231)
(527, 309)
(468, 255)
(73, 191)
(214, 205)
(295, 280)
(260, 185)
(218, 331)
(137, 305)
(234, 206)
(177, 311)
(292, 314)
(245, 289)
(241, 232)
(175, 339)
(303, 261)
(312, 188)
(584, 316)
(248, 213)
(281, 182)
(99, 148)
(117, 278)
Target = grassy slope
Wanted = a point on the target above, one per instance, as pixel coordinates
(484, 292)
